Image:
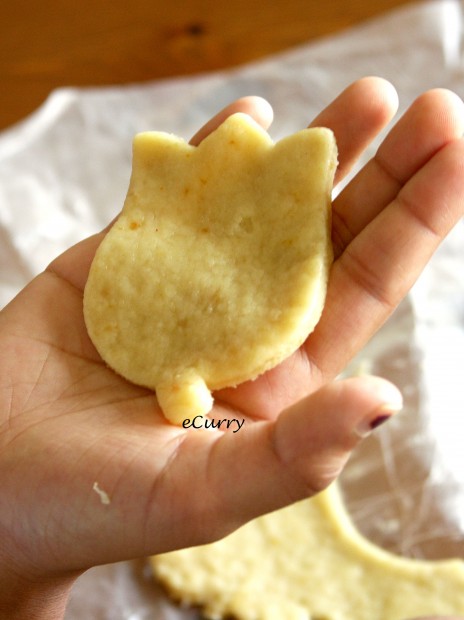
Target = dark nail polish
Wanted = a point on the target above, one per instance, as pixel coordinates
(378, 421)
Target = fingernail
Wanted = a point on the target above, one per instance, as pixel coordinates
(379, 420)
(380, 416)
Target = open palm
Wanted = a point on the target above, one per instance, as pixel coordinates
(90, 470)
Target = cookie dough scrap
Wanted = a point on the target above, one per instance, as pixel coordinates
(306, 562)
(217, 268)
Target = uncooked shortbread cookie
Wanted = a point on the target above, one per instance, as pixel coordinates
(308, 561)
(216, 269)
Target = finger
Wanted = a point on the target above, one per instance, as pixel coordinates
(432, 121)
(356, 116)
(382, 263)
(256, 107)
(271, 465)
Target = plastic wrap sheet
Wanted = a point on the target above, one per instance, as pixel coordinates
(64, 174)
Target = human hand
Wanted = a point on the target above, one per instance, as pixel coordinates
(68, 422)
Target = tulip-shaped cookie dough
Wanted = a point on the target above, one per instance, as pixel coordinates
(216, 270)
(308, 561)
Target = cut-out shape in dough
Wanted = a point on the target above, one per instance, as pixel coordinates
(308, 561)
(216, 270)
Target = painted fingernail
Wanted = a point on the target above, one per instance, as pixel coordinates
(379, 420)
(382, 415)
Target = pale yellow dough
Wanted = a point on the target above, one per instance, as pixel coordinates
(216, 269)
(306, 562)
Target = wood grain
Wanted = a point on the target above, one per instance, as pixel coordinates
(51, 43)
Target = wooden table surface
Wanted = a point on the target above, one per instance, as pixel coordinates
(45, 44)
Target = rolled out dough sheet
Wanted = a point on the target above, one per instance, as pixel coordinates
(308, 561)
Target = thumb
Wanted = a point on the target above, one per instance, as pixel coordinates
(303, 451)
(315, 437)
